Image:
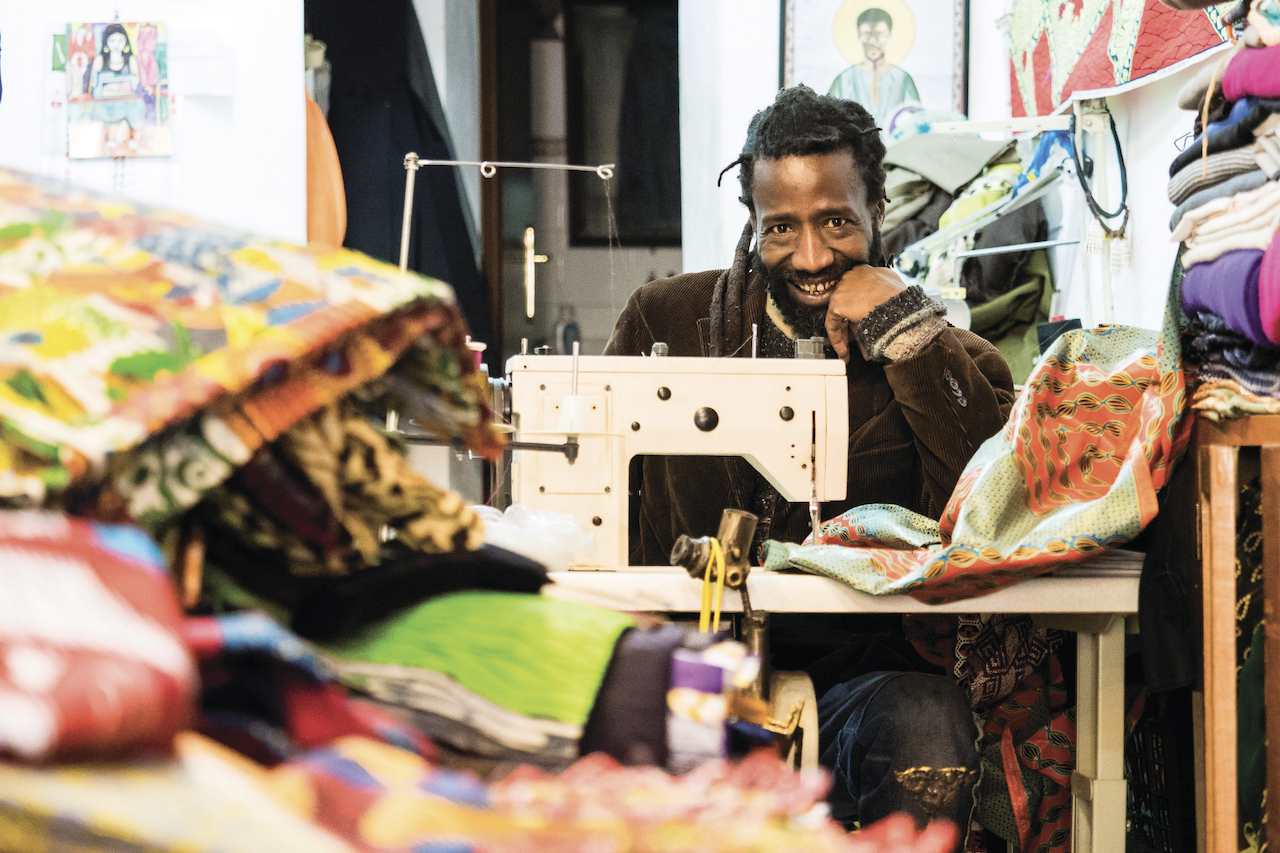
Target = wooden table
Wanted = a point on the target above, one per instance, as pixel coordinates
(1217, 451)
(1095, 599)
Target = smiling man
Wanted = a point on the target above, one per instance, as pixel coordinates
(922, 397)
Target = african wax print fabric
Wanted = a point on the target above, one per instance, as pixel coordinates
(1097, 44)
(121, 321)
(316, 501)
(208, 799)
(1075, 471)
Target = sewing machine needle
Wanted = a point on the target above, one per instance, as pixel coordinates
(815, 511)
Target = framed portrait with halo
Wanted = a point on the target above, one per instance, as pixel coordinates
(895, 57)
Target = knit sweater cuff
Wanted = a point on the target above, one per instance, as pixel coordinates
(901, 327)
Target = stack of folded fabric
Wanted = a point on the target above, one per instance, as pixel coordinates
(223, 393)
(502, 675)
(1227, 218)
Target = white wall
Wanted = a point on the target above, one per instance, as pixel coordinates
(1149, 123)
(729, 59)
(988, 60)
(239, 124)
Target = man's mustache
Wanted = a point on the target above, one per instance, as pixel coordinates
(789, 275)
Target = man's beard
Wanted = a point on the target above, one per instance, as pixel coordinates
(810, 321)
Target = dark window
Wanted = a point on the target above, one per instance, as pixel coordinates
(624, 107)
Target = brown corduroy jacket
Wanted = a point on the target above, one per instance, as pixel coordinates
(913, 424)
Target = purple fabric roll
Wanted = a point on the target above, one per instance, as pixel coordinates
(629, 720)
(1228, 287)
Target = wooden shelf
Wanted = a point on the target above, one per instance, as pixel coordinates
(1216, 449)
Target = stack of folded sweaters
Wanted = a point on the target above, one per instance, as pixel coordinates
(1227, 218)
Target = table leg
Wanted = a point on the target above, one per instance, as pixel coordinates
(1218, 497)
(1271, 613)
(1098, 793)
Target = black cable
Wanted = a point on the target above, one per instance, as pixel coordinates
(1094, 207)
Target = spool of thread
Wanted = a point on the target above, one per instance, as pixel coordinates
(477, 349)
(573, 414)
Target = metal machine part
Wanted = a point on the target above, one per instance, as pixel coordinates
(693, 554)
(737, 527)
(811, 347)
(788, 418)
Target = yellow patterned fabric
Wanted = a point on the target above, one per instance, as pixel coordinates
(158, 352)
(1075, 471)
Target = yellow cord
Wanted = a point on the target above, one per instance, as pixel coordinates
(704, 616)
(1204, 115)
(712, 600)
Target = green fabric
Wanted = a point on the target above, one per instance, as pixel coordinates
(1010, 321)
(537, 656)
(1251, 771)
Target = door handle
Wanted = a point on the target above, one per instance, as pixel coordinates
(530, 259)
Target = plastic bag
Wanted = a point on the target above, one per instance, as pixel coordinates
(552, 538)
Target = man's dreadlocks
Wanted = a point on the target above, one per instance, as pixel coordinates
(801, 122)
(798, 122)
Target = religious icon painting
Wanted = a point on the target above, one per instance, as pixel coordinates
(117, 90)
(904, 60)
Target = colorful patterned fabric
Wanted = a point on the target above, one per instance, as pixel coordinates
(1259, 383)
(1225, 400)
(1027, 760)
(119, 322)
(270, 695)
(91, 662)
(1058, 48)
(1074, 472)
(316, 501)
(207, 800)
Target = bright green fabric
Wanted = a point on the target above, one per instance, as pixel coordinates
(537, 656)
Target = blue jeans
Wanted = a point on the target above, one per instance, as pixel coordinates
(884, 722)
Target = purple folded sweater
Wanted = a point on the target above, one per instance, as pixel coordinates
(1254, 71)
(1228, 287)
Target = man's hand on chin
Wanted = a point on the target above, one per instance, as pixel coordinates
(859, 292)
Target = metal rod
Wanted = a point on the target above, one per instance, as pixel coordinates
(980, 219)
(1034, 124)
(488, 168)
(411, 163)
(569, 448)
(1019, 247)
(815, 510)
(755, 339)
(573, 386)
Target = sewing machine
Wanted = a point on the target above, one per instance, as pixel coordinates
(787, 417)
